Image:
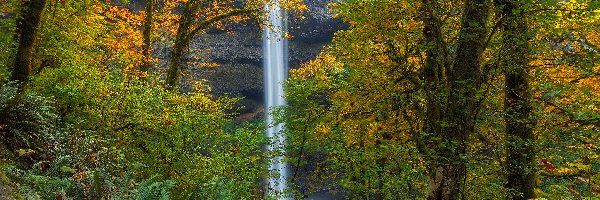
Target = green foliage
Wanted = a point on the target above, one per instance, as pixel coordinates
(81, 145)
(219, 188)
(141, 127)
(87, 125)
(100, 125)
(362, 101)
(154, 190)
(7, 44)
(26, 118)
(6, 53)
(356, 102)
(53, 184)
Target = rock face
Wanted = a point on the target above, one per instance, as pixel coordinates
(238, 53)
(239, 56)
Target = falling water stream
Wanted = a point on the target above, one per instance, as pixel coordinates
(275, 66)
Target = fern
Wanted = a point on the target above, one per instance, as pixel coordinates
(151, 189)
(25, 118)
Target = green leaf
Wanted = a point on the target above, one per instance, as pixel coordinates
(67, 169)
(552, 94)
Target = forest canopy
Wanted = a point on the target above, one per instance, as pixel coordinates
(414, 99)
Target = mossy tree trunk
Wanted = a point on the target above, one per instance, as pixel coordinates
(434, 88)
(27, 27)
(450, 128)
(520, 166)
(182, 40)
(432, 71)
(147, 35)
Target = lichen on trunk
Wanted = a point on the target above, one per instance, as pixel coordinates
(453, 89)
(520, 166)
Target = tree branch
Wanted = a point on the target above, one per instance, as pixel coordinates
(571, 115)
(206, 23)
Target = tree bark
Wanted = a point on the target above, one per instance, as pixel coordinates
(435, 97)
(435, 59)
(448, 169)
(185, 32)
(27, 27)
(520, 164)
(182, 40)
(147, 33)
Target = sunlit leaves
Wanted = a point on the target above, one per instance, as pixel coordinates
(349, 99)
(345, 99)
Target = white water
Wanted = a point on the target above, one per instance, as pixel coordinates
(275, 66)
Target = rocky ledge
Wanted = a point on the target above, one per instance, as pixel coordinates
(239, 56)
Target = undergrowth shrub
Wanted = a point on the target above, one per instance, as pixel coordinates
(26, 119)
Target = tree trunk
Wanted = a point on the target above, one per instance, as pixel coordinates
(185, 32)
(448, 169)
(435, 97)
(147, 33)
(520, 164)
(435, 59)
(182, 40)
(27, 25)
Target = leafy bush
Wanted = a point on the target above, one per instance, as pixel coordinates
(148, 189)
(97, 184)
(134, 126)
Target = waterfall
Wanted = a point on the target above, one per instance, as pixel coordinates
(275, 66)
